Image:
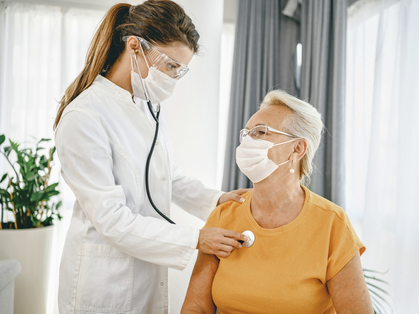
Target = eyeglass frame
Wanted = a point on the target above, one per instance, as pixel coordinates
(142, 40)
(268, 128)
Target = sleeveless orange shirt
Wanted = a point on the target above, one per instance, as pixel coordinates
(287, 268)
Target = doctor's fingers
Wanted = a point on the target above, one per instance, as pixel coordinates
(231, 243)
(234, 235)
(225, 251)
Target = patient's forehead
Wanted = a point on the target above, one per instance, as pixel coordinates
(273, 116)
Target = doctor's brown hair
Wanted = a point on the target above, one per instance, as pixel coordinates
(158, 21)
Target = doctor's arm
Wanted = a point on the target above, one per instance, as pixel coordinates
(199, 297)
(191, 195)
(87, 167)
(348, 289)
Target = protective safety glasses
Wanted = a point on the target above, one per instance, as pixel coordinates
(259, 132)
(161, 61)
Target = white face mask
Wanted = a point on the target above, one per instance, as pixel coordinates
(252, 158)
(159, 86)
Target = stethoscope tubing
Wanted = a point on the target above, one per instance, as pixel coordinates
(150, 154)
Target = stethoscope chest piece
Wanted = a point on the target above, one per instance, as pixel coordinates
(251, 238)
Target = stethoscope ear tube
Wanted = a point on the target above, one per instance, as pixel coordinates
(156, 118)
(147, 166)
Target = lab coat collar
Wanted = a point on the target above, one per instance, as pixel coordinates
(113, 90)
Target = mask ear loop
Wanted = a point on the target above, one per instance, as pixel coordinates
(134, 56)
(145, 58)
(283, 163)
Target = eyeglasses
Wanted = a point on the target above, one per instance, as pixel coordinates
(259, 132)
(162, 62)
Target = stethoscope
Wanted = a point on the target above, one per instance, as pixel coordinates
(250, 235)
(155, 116)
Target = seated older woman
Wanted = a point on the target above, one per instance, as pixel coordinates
(306, 256)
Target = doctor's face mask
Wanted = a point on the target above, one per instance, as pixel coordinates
(158, 85)
(163, 73)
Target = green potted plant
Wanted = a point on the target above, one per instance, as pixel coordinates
(28, 210)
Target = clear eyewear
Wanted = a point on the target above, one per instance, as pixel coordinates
(162, 62)
(259, 132)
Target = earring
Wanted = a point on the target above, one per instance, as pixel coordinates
(292, 169)
(136, 51)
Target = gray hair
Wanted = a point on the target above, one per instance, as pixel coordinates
(305, 122)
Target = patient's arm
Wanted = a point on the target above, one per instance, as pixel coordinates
(348, 289)
(198, 297)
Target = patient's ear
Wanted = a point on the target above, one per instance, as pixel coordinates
(300, 148)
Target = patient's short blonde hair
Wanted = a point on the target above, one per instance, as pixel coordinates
(304, 122)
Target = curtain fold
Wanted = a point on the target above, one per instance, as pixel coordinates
(265, 46)
(323, 38)
(264, 59)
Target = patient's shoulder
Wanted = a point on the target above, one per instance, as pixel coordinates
(325, 206)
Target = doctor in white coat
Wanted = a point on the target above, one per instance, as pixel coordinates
(118, 249)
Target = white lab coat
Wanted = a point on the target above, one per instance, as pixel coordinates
(118, 248)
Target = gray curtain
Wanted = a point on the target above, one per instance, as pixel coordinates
(323, 38)
(264, 59)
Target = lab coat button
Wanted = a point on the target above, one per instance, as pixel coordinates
(162, 284)
(164, 179)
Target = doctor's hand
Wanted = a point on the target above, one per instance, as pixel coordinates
(218, 241)
(235, 195)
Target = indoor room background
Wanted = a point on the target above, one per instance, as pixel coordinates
(355, 61)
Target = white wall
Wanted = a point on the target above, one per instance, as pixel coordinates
(192, 118)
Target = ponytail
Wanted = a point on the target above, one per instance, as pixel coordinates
(158, 21)
(98, 56)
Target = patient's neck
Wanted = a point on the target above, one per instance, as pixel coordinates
(278, 194)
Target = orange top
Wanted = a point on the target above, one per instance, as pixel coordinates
(286, 269)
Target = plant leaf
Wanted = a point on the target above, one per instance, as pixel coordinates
(379, 296)
(3, 177)
(37, 196)
(35, 221)
(2, 139)
(47, 221)
(44, 140)
(51, 194)
(378, 307)
(15, 146)
(378, 288)
(373, 278)
(51, 187)
(4, 193)
(375, 271)
(33, 177)
(7, 150)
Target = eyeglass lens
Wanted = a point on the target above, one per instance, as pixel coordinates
(257, 133)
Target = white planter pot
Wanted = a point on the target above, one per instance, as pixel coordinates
(32, 248)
